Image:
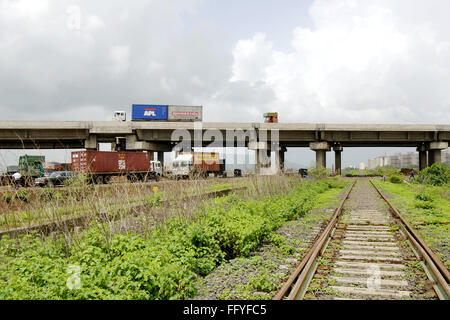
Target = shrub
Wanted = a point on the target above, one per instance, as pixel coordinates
(437, 175)
(58, 196)
(424, 196)
(318, 173)
(434, 212)
(22, 195)
(395, 178)
(46, 194)
(423, 205)
(7, 197)
(164, 265)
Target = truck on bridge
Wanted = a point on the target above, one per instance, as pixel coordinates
(156, 112)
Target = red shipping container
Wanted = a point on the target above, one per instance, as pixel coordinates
(92, 161)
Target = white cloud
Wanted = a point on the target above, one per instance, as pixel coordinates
(249, 56)
(120, 60)
(363, 61)
(30, 9)
(94, 22)
(359, 61)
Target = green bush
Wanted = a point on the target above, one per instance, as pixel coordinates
(395, 178)
(437, 175)
(424, 196)
(318, 172)
(7, 197)
(164, 265)
(423, 205)
(434, 212)
(58, 196)
(46, 194)
(22, 194)
(387, 170)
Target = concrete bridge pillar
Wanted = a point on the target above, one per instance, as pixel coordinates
(434, 153)
(91, 143)
(160, 155)
(321, 149)
(262, 154)
(268, 162)
(279, 158)
(422, 157)
(337, 158)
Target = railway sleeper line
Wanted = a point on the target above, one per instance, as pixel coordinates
(367, 253)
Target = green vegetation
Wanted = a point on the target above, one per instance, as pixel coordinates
(318, 172)
(395, 178)
(22, 194)
(427, 209)
(437, 175)
(164, 264)
(378, 172)
(7, 196)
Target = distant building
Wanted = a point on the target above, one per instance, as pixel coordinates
(372, 164)
(445, 157)
(398, 160)
(395, 160)
(382, 161)
(362, 166)
(409, 159)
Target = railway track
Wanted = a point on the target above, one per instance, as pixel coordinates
(82, 221)
(367, 251)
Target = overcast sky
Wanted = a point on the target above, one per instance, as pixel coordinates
(343, 61)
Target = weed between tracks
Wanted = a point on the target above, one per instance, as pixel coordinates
(154, 254)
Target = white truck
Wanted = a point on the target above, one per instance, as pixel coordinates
(156, 167)
(197, 164)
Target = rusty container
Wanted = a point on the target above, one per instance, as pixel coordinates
(91, 161)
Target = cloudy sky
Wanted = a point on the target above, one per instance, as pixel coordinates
(344, 61)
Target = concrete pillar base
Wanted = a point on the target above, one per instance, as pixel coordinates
(422, 157)
(434, 156)
(337, 159)
(434, 153)
(281, 161)
(320, 148)
(321, 158)
(160, 155)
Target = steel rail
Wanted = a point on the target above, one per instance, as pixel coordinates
(438, 269)
(304, 268)
(302, 274)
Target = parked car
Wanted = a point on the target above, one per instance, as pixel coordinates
(41, 182)
(59, 177)
(303, 172)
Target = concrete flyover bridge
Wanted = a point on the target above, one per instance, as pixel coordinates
(262, 137)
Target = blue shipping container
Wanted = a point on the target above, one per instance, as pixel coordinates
(149, 112)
